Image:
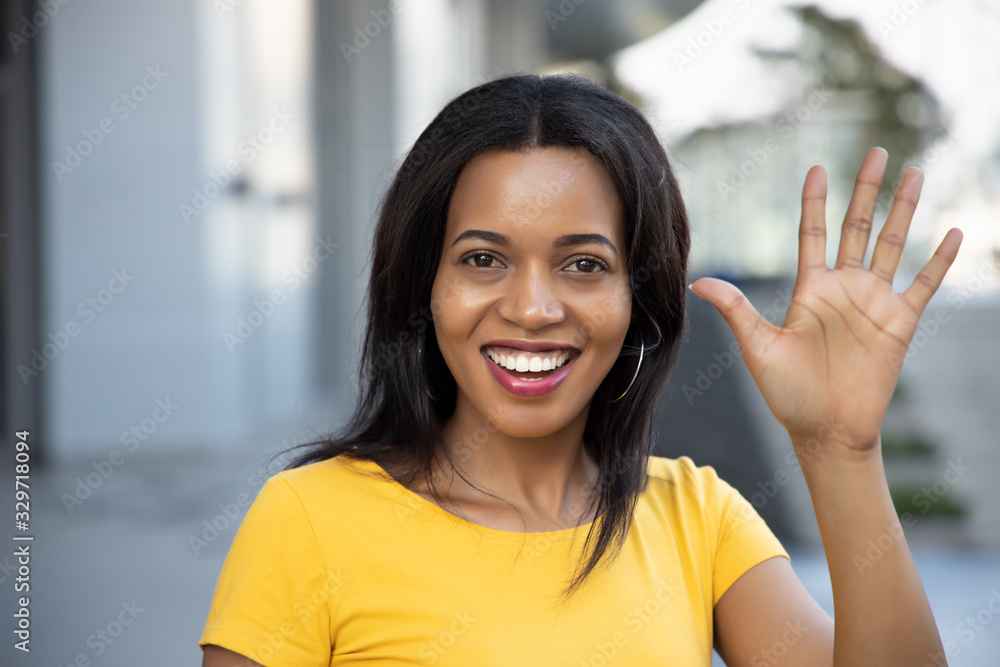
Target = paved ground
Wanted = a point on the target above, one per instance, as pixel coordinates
(128, 544)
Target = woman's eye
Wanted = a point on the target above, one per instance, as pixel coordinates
(482, 261)
(586, 266)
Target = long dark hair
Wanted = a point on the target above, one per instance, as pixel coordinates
(406, 389)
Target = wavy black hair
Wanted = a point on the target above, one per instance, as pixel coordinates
(396, 422)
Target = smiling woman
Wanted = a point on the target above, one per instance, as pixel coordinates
(525, 308)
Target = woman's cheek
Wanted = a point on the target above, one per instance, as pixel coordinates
(612, 316)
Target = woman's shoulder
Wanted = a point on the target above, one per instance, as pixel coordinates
(329, 479)
(329, 498)
(680, 485)
(682, 470)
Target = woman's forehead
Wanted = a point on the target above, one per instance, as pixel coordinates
(552, 189)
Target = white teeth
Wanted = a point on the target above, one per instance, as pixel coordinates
(528, 363)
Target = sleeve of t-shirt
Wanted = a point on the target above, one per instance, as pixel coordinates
(272, 599)
(744, 539)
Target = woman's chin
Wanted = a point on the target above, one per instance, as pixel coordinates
(528, 421)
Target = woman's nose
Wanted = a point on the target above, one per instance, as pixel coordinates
(532, 299)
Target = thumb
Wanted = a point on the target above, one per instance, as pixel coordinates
(746, 323)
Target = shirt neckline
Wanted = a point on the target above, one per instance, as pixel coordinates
(417, 501)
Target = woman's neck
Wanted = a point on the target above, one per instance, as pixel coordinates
(549, 480)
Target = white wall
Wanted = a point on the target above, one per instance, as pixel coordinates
(145, 200)
(118, 210)
(161, 336)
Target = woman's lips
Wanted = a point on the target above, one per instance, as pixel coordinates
(510, 381)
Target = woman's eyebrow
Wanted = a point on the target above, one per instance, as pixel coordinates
(560, 242)
(492, 237)
(580, 239)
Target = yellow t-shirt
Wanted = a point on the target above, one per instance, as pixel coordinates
(332, 567)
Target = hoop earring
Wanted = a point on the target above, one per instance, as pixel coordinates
(642, 351)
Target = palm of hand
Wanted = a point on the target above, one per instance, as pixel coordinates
(831, 367)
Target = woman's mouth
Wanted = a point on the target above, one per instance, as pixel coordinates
(529, 373)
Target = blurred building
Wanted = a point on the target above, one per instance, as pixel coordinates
(747, 98)
(206, 182)
(189, 189)
(187, 194)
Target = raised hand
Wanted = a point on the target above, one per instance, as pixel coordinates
(838, 354)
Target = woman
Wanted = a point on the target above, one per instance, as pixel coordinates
(526, 305)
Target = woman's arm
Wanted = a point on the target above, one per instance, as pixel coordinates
(767, 617)
(883, 617)
(886, 618)
(216, 656)
(828, 373)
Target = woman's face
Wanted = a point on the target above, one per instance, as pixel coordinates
(531, 300)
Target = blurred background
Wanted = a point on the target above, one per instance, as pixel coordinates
(187, 193)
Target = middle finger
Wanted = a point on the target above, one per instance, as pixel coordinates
(857, 226)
